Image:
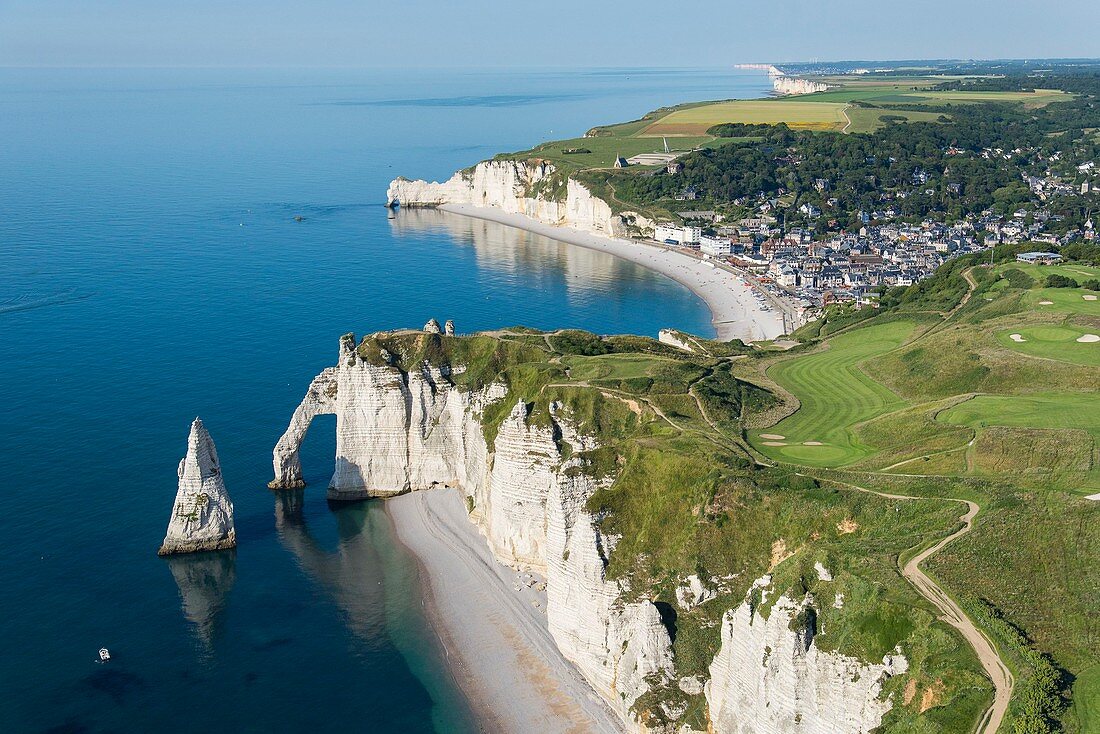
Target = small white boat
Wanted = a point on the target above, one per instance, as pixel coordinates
(104, 654)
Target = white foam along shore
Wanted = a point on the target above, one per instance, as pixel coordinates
(734, 311)
(492, 624)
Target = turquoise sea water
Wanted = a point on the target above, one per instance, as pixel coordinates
(152, 271)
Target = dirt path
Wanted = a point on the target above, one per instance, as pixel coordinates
(952, 614)
(845, 113)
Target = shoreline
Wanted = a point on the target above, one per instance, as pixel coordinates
(492, 625)
(733, 310)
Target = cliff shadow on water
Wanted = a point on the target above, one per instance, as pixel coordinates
(375, 584)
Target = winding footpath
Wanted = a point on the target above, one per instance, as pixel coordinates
(952, 614)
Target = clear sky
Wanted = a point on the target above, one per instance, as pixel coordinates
(499, 33)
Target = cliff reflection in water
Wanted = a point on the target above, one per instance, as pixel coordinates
(204, 581)
(512, 250)
(351, 572)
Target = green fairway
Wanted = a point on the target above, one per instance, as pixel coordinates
(697, 120)
(1055, 342)
(1069, 300)
(1071, 420)
(1048, 410)
(835, 394)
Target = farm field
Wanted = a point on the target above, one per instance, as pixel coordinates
(835, 394)
(799, 114)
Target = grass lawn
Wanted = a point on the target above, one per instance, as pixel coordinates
(1054, 342)
(835, 394)
(697, 120)
(1086, 699)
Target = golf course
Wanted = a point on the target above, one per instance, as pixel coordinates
(992, 401)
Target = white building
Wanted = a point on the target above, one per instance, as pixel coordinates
(715, 246)
(668, 233)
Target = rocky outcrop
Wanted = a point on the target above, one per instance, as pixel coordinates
(399, 431)
(202, 515)
(770, 678)
(675, 339)
(532, 188)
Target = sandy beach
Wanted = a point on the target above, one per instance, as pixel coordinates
(491, 620)
(734, 312)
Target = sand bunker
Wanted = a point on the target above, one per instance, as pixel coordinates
(1089, 298)
(772, 436)
(812, 443)
(1046, 303)
(1088, 339)
(1016, 338)
(774, 443)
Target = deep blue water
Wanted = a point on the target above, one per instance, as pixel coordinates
(152, 271)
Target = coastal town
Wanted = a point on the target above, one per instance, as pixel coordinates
(799, 274)
(799, 271)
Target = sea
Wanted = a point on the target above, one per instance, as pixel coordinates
(193, 242)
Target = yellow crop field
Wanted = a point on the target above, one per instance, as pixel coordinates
(697, 120)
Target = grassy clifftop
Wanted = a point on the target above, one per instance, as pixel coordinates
(690, 497)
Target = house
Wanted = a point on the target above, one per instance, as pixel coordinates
(1039, 258)
(674, 167)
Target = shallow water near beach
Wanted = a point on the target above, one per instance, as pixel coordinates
(154, 270)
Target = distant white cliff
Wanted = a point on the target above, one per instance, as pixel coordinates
(399, 431)
(792, 85)
(202, 515)
(530, 188)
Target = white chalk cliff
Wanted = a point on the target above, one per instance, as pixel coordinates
(520, 187)
(401, 430)
(202, 515)
(770, 679)
(793, 85)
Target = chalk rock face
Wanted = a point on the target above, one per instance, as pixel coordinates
(202, 515)
(432, 327)
(400, 431)
(770, 679)
(449, 328)
(511, 186)
(395, 431)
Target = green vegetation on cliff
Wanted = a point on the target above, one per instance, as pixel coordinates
(685, 496)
